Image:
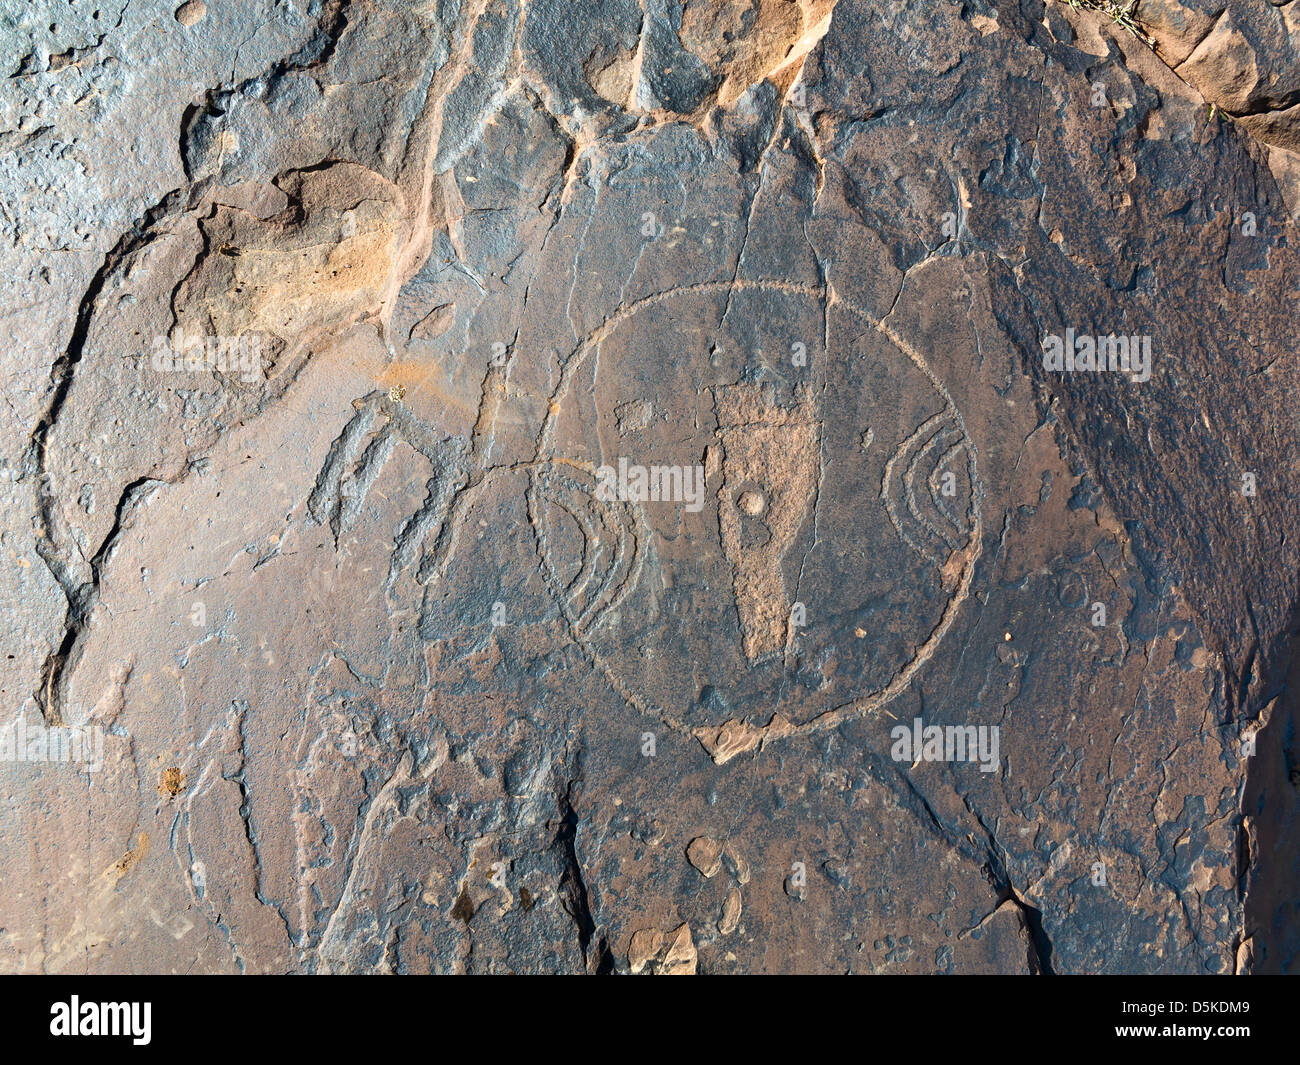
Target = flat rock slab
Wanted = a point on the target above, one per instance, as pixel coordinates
(579, 488)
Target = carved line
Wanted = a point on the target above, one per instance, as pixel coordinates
(903, 678)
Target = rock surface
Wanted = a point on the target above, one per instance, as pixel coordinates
(507, 484)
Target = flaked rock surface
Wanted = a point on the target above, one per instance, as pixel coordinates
(578, 487)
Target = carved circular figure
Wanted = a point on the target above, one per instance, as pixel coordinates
(737, 533)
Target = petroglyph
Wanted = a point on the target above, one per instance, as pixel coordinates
(770, 470)
(610, 556)
(628, 575)
(351, 470)
(922, 474)
(391, 682)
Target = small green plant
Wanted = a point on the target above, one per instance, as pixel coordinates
(1121, 12)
